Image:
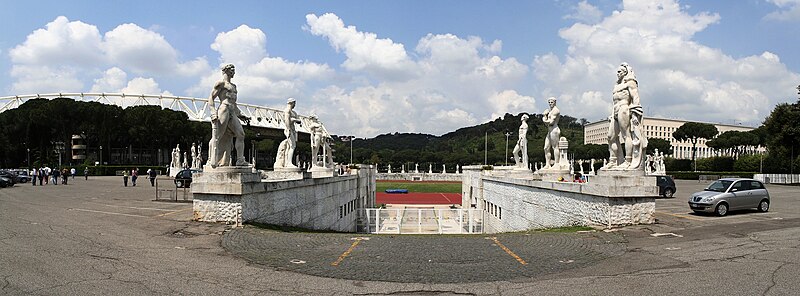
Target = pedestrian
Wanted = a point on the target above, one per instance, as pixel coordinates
(65, 176)
(72, 173)
(125, 177)
(34, 175)
(41, 176)
(47, 172)
(56, 174)
(152, 174)
(86, 173)
(134, 175)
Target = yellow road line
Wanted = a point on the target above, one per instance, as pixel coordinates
(680, 216)
(346, 253)
(173, 212)
(497, 242)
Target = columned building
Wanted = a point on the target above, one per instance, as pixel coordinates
(661, 128)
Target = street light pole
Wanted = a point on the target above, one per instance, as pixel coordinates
(485, 146)
(29, 157)
(101, 154)
(351, 149)
(507, 134)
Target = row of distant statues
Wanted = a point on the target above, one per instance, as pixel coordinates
(194, 162)
(417, 171)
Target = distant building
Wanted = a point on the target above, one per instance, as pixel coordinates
(661, 128)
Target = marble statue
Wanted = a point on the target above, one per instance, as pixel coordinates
(604, 163)
(458, 169)
(625, 126)
(551, 118)
(648, 164)
(444, 169)
(176, 156)
(403, 169)
(572, 164)
(521, 149)
(225, 125)
(283, 159)
(580, 164)
(591, 165)
(390, 169)
(193, 154)
(317, 139)
(430, 168)
(416, 168)
(198, 161)
(662, 169)
(185, 164)
(328, 151)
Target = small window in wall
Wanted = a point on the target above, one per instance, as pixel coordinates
(341, 211)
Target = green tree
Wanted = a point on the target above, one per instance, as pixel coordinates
(693, 131)
(737, 141)
(662, 145)
(783, 130)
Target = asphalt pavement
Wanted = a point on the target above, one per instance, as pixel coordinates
(97, 237)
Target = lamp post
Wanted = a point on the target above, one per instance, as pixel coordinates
(101, 154)
(29, 157)
(507, 134)
(485, 146)
(350, 138)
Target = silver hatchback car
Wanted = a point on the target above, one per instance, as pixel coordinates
(729, 194)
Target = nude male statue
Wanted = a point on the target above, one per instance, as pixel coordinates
(551, 118)
(225, 123)
(286, 148)
(625, 123)
(521, 149)
(317, 140)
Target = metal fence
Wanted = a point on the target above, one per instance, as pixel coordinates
(778, 178)
(420, 221)
(169, 192)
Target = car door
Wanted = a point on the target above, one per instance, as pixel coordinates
(738, 195)
(757, 193)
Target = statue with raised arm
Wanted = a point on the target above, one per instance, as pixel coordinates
(286, 149)
(225, 125)
(521, 149)
(550, 118)
(625, 126)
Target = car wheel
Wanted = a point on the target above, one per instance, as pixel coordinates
(179, 184)
(668, 192)
(763, 206)
(721, 210)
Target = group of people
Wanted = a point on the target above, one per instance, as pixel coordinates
(134, 174)
(45, 175)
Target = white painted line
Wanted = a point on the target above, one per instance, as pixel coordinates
(109, 213)
(136, 208)
(665, 234)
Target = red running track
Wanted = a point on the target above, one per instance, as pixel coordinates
(418, 198)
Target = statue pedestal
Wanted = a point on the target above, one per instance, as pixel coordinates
(513, 172)
(286, 174)
(321, 172)
(174, 171)
(626, 182)
(553, 175)
(236, 180)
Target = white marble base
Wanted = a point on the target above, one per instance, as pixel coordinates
(285, 174)
(226, 180)
(553, 175)
(321, 172)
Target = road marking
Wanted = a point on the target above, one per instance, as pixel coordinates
(497, 242)
(137, 208)
(109, 213)
(681, 216)
(346, 253)
(173, 212)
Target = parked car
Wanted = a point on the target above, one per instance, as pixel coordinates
(10, 176)
(22, 176)
(729, 194)
(184, 178)
(666, 186)
(5, 182)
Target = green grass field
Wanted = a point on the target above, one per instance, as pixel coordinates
(420, 187)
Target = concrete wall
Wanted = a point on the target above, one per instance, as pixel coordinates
(320, 203)
(420, 177)
(513, 204)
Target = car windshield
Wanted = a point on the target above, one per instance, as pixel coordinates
(719, 185)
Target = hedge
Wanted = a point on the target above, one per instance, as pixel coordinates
(682, 175)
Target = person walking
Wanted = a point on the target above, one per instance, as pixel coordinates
(65, 176)
(134, 175)
(86, 173)
(152, 174)
(41, 176)
(56, 174)
(125, 177)
(72, 173)
(34, 175)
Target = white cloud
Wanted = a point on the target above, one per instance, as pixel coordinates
(241, 46)
(678, 77)
(112, 80)
(586, 13)
(44, 79)
(509, 101)
(789, 10)
(64, 54)
(364, 50)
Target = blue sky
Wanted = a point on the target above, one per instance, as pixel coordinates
(372, 67)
